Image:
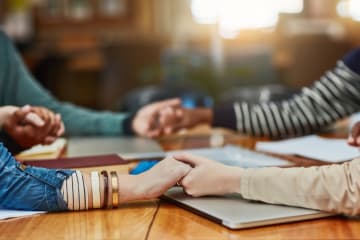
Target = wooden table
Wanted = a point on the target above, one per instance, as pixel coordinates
(157, 219)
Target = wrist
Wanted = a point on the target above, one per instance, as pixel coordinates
(5, 113)
(202, 116)
(233, 179)
(129, 189)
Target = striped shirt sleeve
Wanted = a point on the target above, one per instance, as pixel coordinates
(335, 96)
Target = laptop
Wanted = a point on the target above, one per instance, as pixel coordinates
(235, 212)
(232, 211)
(128, 147)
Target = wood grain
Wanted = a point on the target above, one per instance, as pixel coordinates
(131, 221)
(175, 223)
(160, 220)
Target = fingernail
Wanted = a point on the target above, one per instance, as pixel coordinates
(35, 119)
(26, 107)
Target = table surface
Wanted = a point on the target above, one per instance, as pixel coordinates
(157, 219)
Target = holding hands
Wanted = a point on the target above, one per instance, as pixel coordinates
(30, 126)
(154, 182)
(168, 116)
(149, 122)
(208, 177)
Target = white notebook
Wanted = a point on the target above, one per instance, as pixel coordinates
(314, 147)
(7, 214)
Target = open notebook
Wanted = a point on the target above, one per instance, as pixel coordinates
(39, 152)
(314, 147)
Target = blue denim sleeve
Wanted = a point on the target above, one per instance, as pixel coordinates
(30, 188)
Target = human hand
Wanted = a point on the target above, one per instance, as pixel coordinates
(153, 183)
(174, 119)
(29, 126)
(147, 120)
(354, 136)
(53, 126)
(208, 177)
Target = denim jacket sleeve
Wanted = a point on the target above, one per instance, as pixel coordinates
(30, 188)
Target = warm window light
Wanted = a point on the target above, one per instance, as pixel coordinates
(349, 8)
(290, 6)
(354, 9)
(207, 14)
(343, 9)
(235, 15)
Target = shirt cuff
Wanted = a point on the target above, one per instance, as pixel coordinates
(10, 143)
(224, 116)
(245, 184)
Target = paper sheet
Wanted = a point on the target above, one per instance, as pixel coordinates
(236, 156)
(314, 147)
(40, 152)
(6, 214)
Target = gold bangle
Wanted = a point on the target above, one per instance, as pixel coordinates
(115, 189)
(106, 189)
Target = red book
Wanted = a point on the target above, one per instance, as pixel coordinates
(79, 162)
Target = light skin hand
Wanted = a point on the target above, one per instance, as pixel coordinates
(354, 136)
(146, 120)
(208, 177)
(154, 182)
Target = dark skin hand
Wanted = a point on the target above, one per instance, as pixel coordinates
(30, 126)
(53, 126)
(354, 137)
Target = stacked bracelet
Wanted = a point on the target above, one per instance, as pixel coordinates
(95, 187)
(107, 203)
(115, 189)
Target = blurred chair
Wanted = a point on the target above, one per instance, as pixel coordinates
(127, 67)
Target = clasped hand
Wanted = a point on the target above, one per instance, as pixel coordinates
(30, 125)
(197, 175)
(166, 117)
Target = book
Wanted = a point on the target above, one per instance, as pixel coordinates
(78, 162)
(39, 152)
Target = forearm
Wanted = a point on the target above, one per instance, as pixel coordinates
(199, 116)
(18, 87)
(30, 188)
(333, 97)
(81, 191)
(334, 188)
(81, 121)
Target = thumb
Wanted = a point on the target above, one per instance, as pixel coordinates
(188, 158)
(20, 114)
(34, 119)
(354, 134)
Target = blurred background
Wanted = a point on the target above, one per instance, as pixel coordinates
(121, 54)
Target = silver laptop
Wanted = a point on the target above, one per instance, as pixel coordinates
(236, 213)
(127, 147)
(233, 211)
